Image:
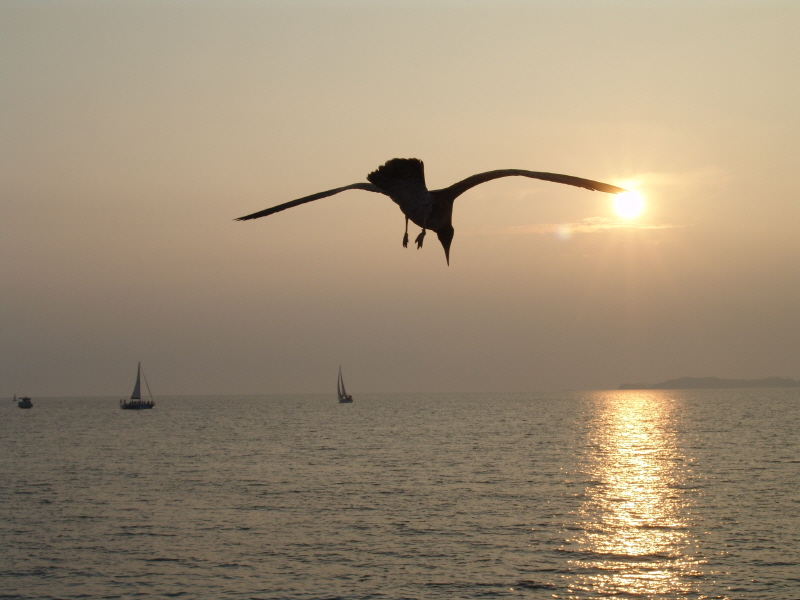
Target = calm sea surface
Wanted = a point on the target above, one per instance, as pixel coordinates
(624, 494)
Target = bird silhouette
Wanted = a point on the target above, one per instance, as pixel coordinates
(403, 180)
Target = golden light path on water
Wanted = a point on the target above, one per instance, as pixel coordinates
(635, 516)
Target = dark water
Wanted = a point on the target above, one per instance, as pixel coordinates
(629, 494)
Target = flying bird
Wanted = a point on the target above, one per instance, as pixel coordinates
(403, 180)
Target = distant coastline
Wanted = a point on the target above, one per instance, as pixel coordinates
(713, 383)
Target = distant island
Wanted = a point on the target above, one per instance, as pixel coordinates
(713, 383)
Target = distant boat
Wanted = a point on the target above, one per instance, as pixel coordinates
(136, 402)
(344, 398)
(23, 402)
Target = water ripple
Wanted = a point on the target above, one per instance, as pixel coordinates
(656, 495)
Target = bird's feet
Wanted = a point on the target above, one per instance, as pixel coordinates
(420, 239)
(405, 240)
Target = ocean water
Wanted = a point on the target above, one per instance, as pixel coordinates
(612, 494)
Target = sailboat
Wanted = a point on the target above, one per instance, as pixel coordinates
(24, 402)
(344, 398)
(136, 402)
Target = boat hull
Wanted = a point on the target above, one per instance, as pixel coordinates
(135, 406)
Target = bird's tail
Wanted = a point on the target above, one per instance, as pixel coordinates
(398, 175)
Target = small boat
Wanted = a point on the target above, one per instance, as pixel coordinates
(23, 402)
(344, 398)
(136, 402)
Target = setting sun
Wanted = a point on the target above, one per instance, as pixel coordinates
(629, 205)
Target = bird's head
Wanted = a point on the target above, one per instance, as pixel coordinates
(446, 237)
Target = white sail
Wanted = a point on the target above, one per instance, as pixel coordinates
(137, 394)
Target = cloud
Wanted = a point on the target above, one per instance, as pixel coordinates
(687, 179)
(588, 225)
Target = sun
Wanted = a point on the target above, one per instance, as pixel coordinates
(629, 205)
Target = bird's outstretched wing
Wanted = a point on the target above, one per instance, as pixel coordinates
(268, 211)
(459, 188)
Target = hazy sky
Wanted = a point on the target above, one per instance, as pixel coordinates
(132, 134)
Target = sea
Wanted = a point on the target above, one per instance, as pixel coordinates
(574, 495)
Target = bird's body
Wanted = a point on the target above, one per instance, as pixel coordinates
(403, 180)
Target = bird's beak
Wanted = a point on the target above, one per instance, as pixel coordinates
(446, 238)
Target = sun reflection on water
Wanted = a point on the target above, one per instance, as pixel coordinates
(634, 521)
